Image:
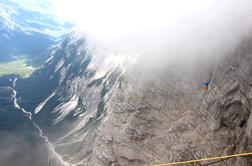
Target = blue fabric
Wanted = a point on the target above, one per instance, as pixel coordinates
(206, 83)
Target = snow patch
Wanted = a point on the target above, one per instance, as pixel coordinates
(41, 105)
(65, 109)
(49, 59)
(59, 65)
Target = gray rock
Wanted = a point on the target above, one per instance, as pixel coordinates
(163, 120)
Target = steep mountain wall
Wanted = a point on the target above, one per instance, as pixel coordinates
(67, 97)
(164, 120)
(120, 116)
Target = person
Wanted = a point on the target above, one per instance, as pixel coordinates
(206, 85)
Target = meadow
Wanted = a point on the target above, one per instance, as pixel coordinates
(19, 67)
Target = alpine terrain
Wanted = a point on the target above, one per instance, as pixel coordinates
(87, 105)
(122, 116)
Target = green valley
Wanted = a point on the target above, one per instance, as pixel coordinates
(19, 67)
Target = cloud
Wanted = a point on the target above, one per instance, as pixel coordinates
(20, 145)
(164, 31)
(160, 31)
(43, 7)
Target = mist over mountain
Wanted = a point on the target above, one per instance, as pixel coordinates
(174, 92)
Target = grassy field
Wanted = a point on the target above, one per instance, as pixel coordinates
(19, 67)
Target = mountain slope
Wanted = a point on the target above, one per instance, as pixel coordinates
(24, 32)
(67, 96)
(98, 114)
(20, 142)
(154, 123)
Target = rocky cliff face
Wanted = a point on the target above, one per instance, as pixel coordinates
(164, 119)
(67, 97)
(119, 116)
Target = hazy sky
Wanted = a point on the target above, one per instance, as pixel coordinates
(160, 23)
(110, 18)
(159, 28)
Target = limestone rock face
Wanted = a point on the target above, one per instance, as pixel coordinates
(126, 116)
(164, 119)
